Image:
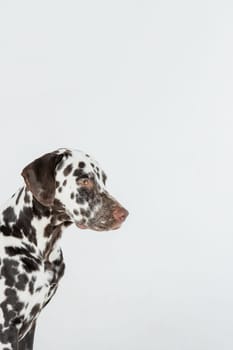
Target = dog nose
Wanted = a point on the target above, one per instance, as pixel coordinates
(120, 214)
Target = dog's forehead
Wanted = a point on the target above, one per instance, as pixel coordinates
(82, 160)
(74, 160)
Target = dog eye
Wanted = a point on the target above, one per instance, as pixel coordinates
(85, 182)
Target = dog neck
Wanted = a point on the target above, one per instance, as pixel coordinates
(23, 217)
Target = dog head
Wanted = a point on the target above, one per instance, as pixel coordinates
(75, 180)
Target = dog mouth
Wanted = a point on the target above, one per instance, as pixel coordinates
(82, 226)
(100, 227)
(105, 220)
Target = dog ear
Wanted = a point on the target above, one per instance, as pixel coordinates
(39, 177)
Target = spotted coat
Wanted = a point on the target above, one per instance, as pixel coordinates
(61, 188)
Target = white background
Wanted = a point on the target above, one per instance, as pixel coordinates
(146, 87)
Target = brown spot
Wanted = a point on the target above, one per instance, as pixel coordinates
(68, 170)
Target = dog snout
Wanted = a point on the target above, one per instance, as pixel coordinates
(120, 214)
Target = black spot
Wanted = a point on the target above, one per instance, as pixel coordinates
(17, 320)
(72, 195)
(61, 271)
(60, 189)
(22, 281)
(9, 271)
(31, 285)
(68, 170)
(35, 310)
(57, 184)
(64, 182)
(24, 223)
(92, 165)
(78, 173)
(10, 292)
(67, 223)
(11, 251)
(75, 212)
(12, 300)
(15, 232)
(6, 230)
(9, 215)
(29, 264)
(81, 165)
(19, 195)
(18, 306)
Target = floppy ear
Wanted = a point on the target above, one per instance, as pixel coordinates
(40, 177)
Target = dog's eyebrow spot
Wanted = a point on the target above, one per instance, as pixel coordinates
(78, 173)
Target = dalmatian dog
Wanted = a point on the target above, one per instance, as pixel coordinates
(61, 188)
